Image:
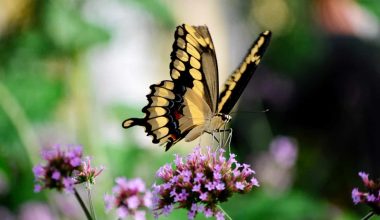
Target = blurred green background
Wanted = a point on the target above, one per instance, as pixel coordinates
(72, 70)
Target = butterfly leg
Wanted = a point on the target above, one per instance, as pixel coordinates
(223, 136)
(214, 138)
(219, 139)
(226, 142)
(229, 139)
(200, 139)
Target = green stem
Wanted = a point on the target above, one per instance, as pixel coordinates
(90, 202)
(368, 216)
(82, 204)
(20, 121)
(224, 212)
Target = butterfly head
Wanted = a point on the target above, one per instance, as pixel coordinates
(219, 120)
(224, 117)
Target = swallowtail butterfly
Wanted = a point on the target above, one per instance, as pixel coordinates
(190, 103)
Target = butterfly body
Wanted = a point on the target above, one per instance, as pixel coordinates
(199, 115)
(190, 104)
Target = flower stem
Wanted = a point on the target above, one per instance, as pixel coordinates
(82, 204)
(19, 119)
(224, 212)
(368, 216)
(90, 202)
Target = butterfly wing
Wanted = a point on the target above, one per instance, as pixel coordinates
(161, 113)
(239, 79)
(193, 62)
(177, 107)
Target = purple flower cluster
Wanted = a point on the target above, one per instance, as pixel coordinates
(130, 198)
(63, 169)
(372, 197)
(284, 151)
(199, 182)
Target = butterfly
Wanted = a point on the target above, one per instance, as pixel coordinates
(190, 104)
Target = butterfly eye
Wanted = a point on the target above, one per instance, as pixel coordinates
(225, 117)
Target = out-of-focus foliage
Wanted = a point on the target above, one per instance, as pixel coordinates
(68, 30)
(373, 6)
(297, 43)
(34, 62)
(158, 10)
(293, 205)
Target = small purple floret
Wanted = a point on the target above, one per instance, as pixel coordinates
(133, 202)
(38, 171)
(356, 195)
(219, 216)
(239, 185)
(56, 175)
(371, 197)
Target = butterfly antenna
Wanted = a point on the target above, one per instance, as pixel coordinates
(250, 112)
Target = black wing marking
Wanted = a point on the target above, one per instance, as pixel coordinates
(239, 79)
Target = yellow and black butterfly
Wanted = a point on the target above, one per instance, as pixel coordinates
(190, 103)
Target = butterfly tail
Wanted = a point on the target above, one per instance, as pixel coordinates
(170, 143)
(160, 135)
(130, 122)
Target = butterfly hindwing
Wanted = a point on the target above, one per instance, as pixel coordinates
(238, 80)
(161, 113)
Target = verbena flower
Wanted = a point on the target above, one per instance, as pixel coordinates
(276, 167)
(284, 151)
(371, 197)
(63, 168)
(200, 182)
(87, 173)
(130, 198)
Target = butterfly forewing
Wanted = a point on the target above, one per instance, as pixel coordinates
(238, 80)
(193, 62)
